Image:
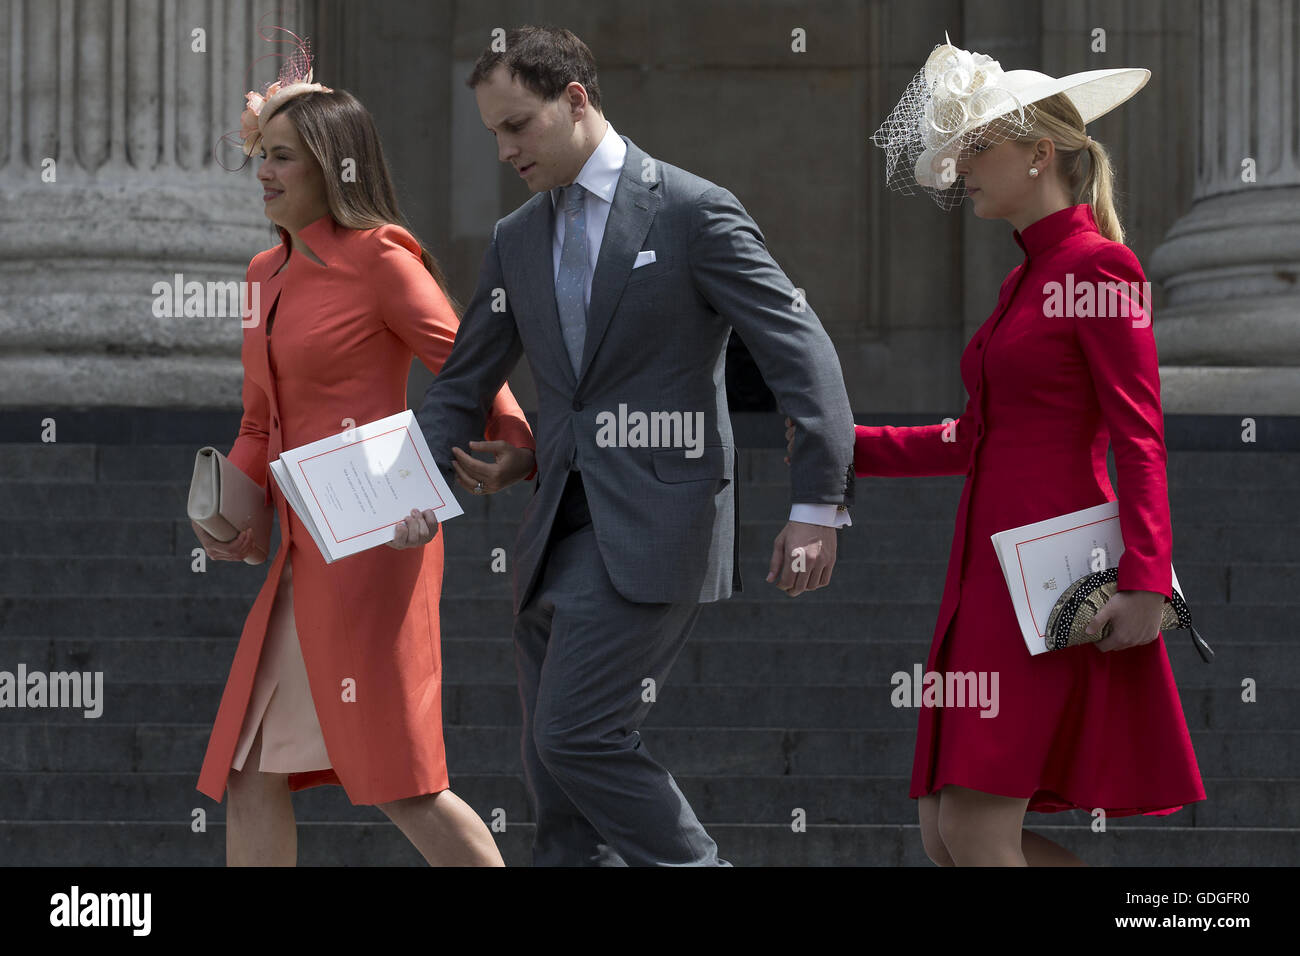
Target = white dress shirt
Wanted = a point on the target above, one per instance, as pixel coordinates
(599, 177)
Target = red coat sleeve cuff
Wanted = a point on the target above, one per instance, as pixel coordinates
(1142, 575)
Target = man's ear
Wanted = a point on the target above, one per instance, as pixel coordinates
(577, 97)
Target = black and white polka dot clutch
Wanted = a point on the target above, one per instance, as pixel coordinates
(1084, 598)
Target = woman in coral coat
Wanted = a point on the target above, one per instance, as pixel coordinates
(343, 310)
(1050, 386)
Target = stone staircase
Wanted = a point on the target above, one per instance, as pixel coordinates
(776, 705)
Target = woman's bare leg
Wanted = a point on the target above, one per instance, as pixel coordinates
(982, 829)
(927, 809)
(1040, 851)
(445, 830)
(260, 827)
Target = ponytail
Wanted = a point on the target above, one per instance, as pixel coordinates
(1096, 191)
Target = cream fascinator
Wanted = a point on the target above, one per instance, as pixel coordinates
(960, 98)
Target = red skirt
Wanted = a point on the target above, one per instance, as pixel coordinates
(1074, 729)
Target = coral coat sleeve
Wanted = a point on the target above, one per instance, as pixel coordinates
(249, 452)
(415, 309)
(1121, 353)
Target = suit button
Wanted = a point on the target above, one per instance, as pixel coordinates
(577, 405)
(979, 345)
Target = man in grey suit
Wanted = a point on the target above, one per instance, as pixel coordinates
(620, 280)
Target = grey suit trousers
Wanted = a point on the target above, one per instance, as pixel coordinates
(583, 652)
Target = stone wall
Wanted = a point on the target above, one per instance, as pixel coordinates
(714, 87)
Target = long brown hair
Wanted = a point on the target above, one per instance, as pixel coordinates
(335, 127)
(1057, 119)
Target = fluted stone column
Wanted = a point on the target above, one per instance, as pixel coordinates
(1229, 336)
(112, 99)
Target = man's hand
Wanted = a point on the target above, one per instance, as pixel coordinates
(803, 555)
(511, 464)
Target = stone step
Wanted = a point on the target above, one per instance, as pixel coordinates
(1236, 469)
(810, 616)
(156, 748)
(861, 581)
(731, 798)
(756, 661)
(935, 500)
(756, 718)
(914, 539)
(380, 843)
(841, 706)
(66, 462)
(154, 499)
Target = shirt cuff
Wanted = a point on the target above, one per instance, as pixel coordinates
(830, 516)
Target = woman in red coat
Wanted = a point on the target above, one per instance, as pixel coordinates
(337, 677)
(1051, 383)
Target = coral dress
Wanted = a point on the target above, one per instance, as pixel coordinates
(340, 662)
(1075, 728)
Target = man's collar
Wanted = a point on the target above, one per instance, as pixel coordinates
(599, 174)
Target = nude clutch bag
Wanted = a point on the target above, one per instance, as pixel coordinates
(224, 501)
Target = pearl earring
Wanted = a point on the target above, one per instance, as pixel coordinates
(1033, 170)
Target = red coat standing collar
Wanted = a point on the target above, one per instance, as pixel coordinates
(1054, 228)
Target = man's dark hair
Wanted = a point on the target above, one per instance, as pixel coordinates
(546, 59)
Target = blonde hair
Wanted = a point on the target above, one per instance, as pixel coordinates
(335, 126)
(1056, 118)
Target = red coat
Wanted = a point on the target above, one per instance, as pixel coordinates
(1076, 728)
(344, 335)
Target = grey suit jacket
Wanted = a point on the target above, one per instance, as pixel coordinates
(665, 520)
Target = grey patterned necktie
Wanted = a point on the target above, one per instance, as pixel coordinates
(571, 283)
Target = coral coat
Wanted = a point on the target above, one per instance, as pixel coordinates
(1077, 728)
(343, 337)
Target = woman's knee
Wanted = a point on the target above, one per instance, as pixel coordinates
(931, 839)
(251, 787)
(407, 808)
(970, 821)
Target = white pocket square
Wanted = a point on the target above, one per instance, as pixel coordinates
(644, 258)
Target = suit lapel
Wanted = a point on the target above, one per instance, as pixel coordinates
(631, 213)
(633, 210)
(538, 267)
